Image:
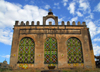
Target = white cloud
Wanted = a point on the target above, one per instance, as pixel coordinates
(92, 25)
(71, 7)
(96, 49)
(74, 19)
(79, 14)
(90, 16)
(58, 7)
(97, 8)
(84, 4)
(47, 6)
(56, 4)
(97, 22)
(10, 12)
(60, 19)
(98, 31)
(54, 7)
(6, 36)
(92, 28)
(6, 56)
(65, 2)
(32, 2)
(96, 39)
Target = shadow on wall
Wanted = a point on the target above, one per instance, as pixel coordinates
(97, 62)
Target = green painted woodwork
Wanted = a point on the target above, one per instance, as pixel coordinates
(74, 50)
(26, 50)
(50, 53)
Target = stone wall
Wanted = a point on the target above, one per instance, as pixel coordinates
(62, 33)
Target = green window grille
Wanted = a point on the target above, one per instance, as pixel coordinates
(26, 50)
(50, 53)
(74, 50)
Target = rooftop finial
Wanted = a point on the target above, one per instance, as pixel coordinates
(50, 10)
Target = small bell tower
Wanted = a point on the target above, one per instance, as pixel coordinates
(50, 15)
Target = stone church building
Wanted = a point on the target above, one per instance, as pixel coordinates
(65, 45)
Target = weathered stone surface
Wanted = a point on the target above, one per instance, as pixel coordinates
(62, 34)
(68, 23)
(62, 22)
(50, 31)
(50, 23)
(73, 23)
(32, 23)
(79, 23)
(38, 23)
(27, 23)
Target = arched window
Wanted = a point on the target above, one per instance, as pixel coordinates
(50, 53)
(26, 50)
(74, 50)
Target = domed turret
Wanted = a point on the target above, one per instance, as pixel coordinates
(50, 12)
(5, 62)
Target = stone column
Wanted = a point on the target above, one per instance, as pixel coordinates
(44, 19)
(56, 20)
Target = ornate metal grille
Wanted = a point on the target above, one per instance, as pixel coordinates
(74, 50)
(50, 51)
(26, 50)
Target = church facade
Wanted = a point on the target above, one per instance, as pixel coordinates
(65, 46)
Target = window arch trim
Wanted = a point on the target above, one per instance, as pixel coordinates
(71, 50)
(26, 50)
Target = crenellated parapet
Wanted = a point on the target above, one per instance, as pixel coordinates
(50, 23)
(50, 15)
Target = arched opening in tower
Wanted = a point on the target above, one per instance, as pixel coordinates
(50, 21)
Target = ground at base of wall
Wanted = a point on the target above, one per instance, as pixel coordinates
(59, 70)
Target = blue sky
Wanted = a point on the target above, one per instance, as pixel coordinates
(34, 10)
